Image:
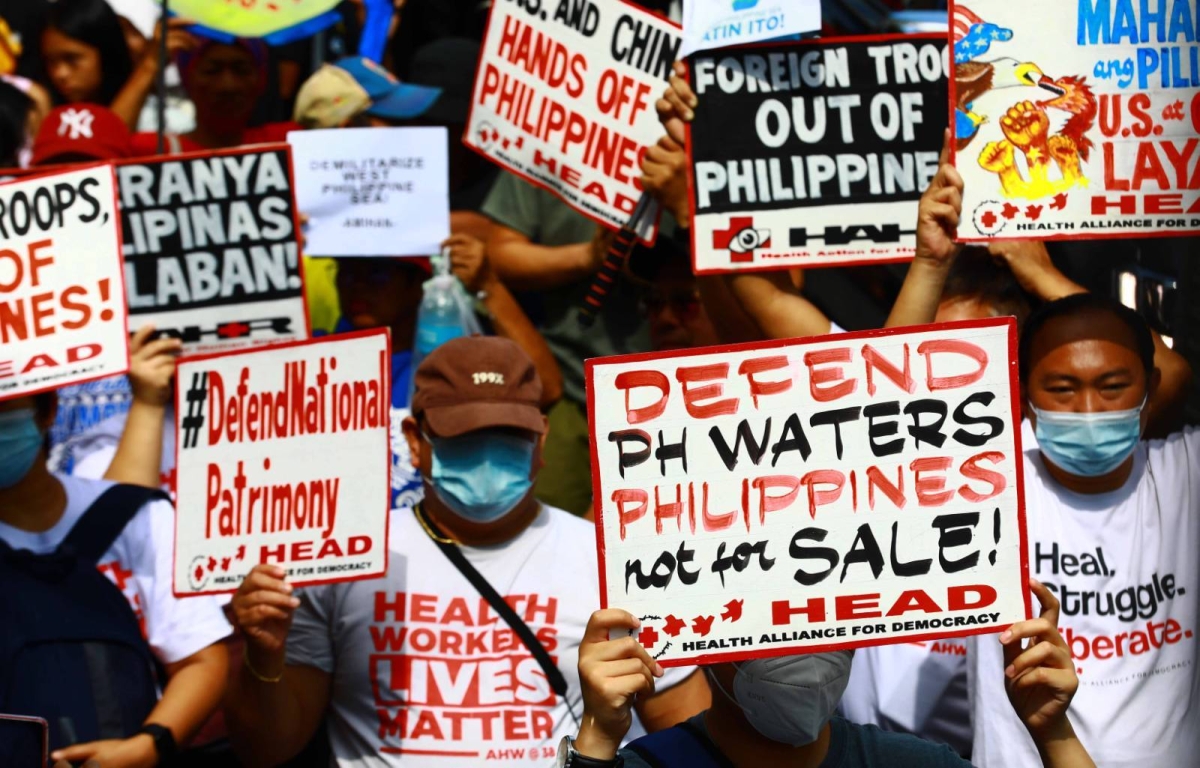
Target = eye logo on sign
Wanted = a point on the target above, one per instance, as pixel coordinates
(744, 5)
(741, 239)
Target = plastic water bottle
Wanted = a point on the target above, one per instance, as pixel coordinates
(442, 315)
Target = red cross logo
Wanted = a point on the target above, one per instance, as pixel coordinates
(741, 239)
(648, 637)
(988, 219)
(232, 330)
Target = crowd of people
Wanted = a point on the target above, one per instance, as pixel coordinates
(492, 583)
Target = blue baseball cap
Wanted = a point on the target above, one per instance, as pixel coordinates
(390, 98)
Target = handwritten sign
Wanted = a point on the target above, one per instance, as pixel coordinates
(811, 494)
(282, 457)
(711, 24)
(565, 98)
(373, 191)
(210, 248)
(1076, 120)
(814, 154)
(62, 305)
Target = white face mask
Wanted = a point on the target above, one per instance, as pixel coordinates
(789, 699)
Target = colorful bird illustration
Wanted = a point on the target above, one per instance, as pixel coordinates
(972, 79)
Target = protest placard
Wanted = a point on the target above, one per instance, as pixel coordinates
(1076, 120)
(564, 97)
(282, 457)
(814, 154)
(62, 300)
(211, 256)
(373, 191)
(709, 24)
(811, 494)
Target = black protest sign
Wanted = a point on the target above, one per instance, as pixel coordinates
(210, 247)
(814, 154)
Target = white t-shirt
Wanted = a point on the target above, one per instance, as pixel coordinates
(1125, 567)
(140, 564)
(425, 674)
(917, 688)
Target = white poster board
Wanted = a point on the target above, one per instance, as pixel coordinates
(62, 296)
(373, 191)
(1076, 121)
(564, 97)
(709, 24)
(811, 495)
(282, 457)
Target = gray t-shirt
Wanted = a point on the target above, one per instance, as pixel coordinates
(850, 746)
(620, 329)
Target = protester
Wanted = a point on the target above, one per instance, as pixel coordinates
(15, 137)
(540, 244)
(74, 134)
(117, 627)
(1112, 529)
(225, 82)
(84, 51)
(369, 656)
(780, 711)
(980, 293)
(356, 92)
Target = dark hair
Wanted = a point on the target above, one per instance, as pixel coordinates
(1081, 304)
(94, 22)
(14, 115)
(976, 275)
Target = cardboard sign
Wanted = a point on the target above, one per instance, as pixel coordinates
(62, 300)
(815, 494)
(565, 99)
(709, 24)
(814, 154)
(282, 457)
(210, 248)
(373, 191)
(1076, 120)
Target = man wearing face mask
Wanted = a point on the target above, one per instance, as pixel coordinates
(1113, 530)
(465, 652)
(780, 711)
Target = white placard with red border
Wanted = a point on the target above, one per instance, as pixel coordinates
(815, 494)
(62, 296)
(1076, 121)
(283, 457)
(564, 97)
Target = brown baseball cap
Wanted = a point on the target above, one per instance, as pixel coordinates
(477, 382)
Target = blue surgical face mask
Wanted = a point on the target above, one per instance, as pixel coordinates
(482, 476)
(1088, 444)
(20, 440)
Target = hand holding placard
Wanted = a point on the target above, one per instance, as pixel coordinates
(811, 494)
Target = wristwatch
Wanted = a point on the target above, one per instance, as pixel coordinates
(164, 742)
(569, 757)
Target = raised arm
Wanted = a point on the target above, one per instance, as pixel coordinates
(526, 266)
(469, 263)
(1031, 265)
(1041, 681)
(132, 97)
(272, 709)
(937, 219)
(768, 299)
(138, 460)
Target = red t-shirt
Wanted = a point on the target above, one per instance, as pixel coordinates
(146, 144)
